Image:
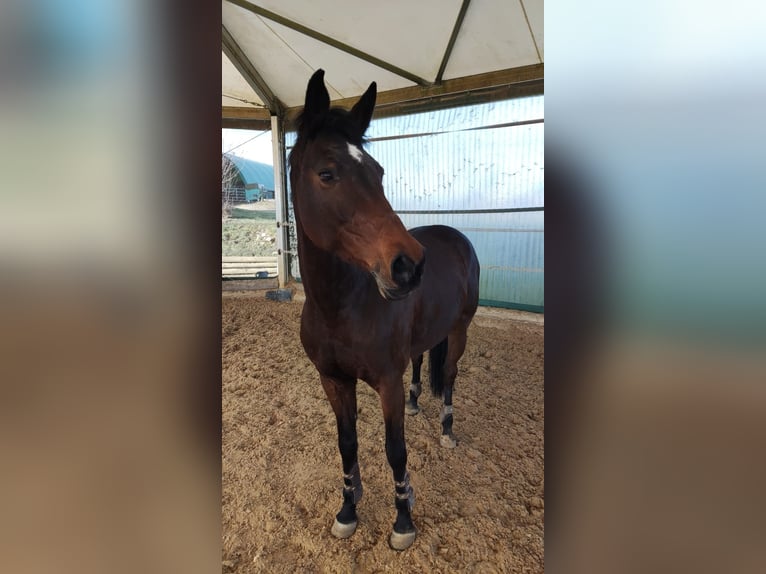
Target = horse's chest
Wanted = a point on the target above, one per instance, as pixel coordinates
(354, 349)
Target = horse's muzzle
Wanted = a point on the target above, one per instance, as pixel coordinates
(406, 275)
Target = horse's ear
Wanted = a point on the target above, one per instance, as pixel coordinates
(317, 97)
(362, 110)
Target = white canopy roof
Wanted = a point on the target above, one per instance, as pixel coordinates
(424, 53)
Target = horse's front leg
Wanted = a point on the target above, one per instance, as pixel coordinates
(392, 400)
(342, 396)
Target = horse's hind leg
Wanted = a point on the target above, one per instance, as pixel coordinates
(456, 342)
(342, 396)
(411, 406)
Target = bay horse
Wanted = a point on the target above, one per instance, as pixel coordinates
(377, 296)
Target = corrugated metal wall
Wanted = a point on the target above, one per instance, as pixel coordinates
(479, 169)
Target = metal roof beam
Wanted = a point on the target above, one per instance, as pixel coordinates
(452, 39)
(330, 41)
(531, 32)
(249, 73)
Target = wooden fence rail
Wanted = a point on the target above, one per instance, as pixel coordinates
(240, 267)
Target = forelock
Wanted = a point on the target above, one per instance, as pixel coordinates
(335, 121)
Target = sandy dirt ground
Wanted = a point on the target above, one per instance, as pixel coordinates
(479, 507)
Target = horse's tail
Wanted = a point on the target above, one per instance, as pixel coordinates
(436, 359)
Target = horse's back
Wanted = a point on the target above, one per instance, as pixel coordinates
(449, 290)
(448, 251)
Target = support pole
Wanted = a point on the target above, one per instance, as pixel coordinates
(280, 195)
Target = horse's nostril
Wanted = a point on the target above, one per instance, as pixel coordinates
(405, 272)
(402, 270)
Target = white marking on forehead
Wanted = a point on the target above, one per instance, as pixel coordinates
(355, 152)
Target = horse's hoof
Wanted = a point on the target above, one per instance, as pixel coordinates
(402, 541)
(411, 409)
(448, 441)
(340, 530)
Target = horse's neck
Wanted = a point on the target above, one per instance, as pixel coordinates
(328, 282)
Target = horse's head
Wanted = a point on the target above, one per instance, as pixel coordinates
(338, 193)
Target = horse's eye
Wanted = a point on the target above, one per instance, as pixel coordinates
(326, 175)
